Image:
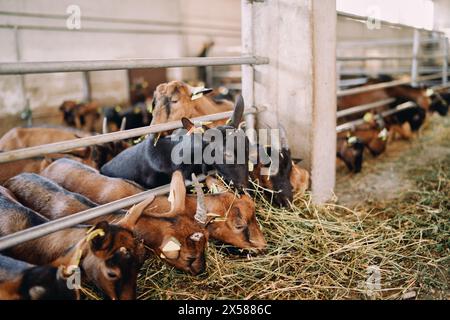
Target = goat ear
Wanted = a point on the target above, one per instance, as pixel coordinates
(238, 112)
(187, 124)
(101, 239)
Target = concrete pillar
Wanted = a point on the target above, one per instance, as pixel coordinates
(298, 86)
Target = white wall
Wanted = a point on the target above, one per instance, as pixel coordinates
(107, 86)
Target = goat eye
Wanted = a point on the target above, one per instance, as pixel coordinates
(241, 227)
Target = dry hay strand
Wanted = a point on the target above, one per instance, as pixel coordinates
(327, 252)
(330, 251)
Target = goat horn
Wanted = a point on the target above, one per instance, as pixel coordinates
(200, 214)
(133, 215)
(123, 124)
(177, 197)
(283, 137)
(105, 125)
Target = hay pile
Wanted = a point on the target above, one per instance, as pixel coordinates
(329, 252)
(325, 252)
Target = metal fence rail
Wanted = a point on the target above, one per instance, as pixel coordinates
(83, 216)
(383, 85)
(351, 124)
(98, 65)
(364, 107)
(67, 145)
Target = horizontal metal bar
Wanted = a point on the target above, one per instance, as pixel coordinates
(97, 65)
(352, 82)
(382, 42)
(227, 74)
(392, 24)
(67, 145)
(364, 107)
(350, 125)
(362, 71)
(122, 20)
(123, 30)
(383, 85)
(364, 58)
(83, 216)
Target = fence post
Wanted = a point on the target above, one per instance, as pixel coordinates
(248, 70)
(298, 86)
(445, 60)
(415, 59)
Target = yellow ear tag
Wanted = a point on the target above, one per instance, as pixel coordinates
(250, 166)
(368, 117)
(97, 232)
(137, 110)
(214, 189)
(163, 256)
(149, 107)
(118, 108)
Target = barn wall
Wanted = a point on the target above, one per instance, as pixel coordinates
(48, 90)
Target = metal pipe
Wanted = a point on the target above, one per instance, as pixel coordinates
(364, 107)
(67, 145)
(122, 20)
(423, 57)
(96, 65)
(445, 60)
(361, 71)
(83, 216)
(124, 30)
(351, 124)
(248, 72)
(383, 42)
(398, 25)
(383, 85)
(352, 82)
(415, 59)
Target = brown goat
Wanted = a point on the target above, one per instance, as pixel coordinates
(94, 156)
(22, 281)
(84, 116)
(374, 139)
(299, 178)
(53, 201)
(175, 100)
(109, 255)
(102, 189)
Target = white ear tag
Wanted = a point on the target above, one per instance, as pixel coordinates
(352, 140)
(196, 236)
(163, 256)
(383, 134)
(250, 166)
(172, 245)
(197, 96)
(430, 92)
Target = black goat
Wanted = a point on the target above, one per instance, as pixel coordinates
(151, 162)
